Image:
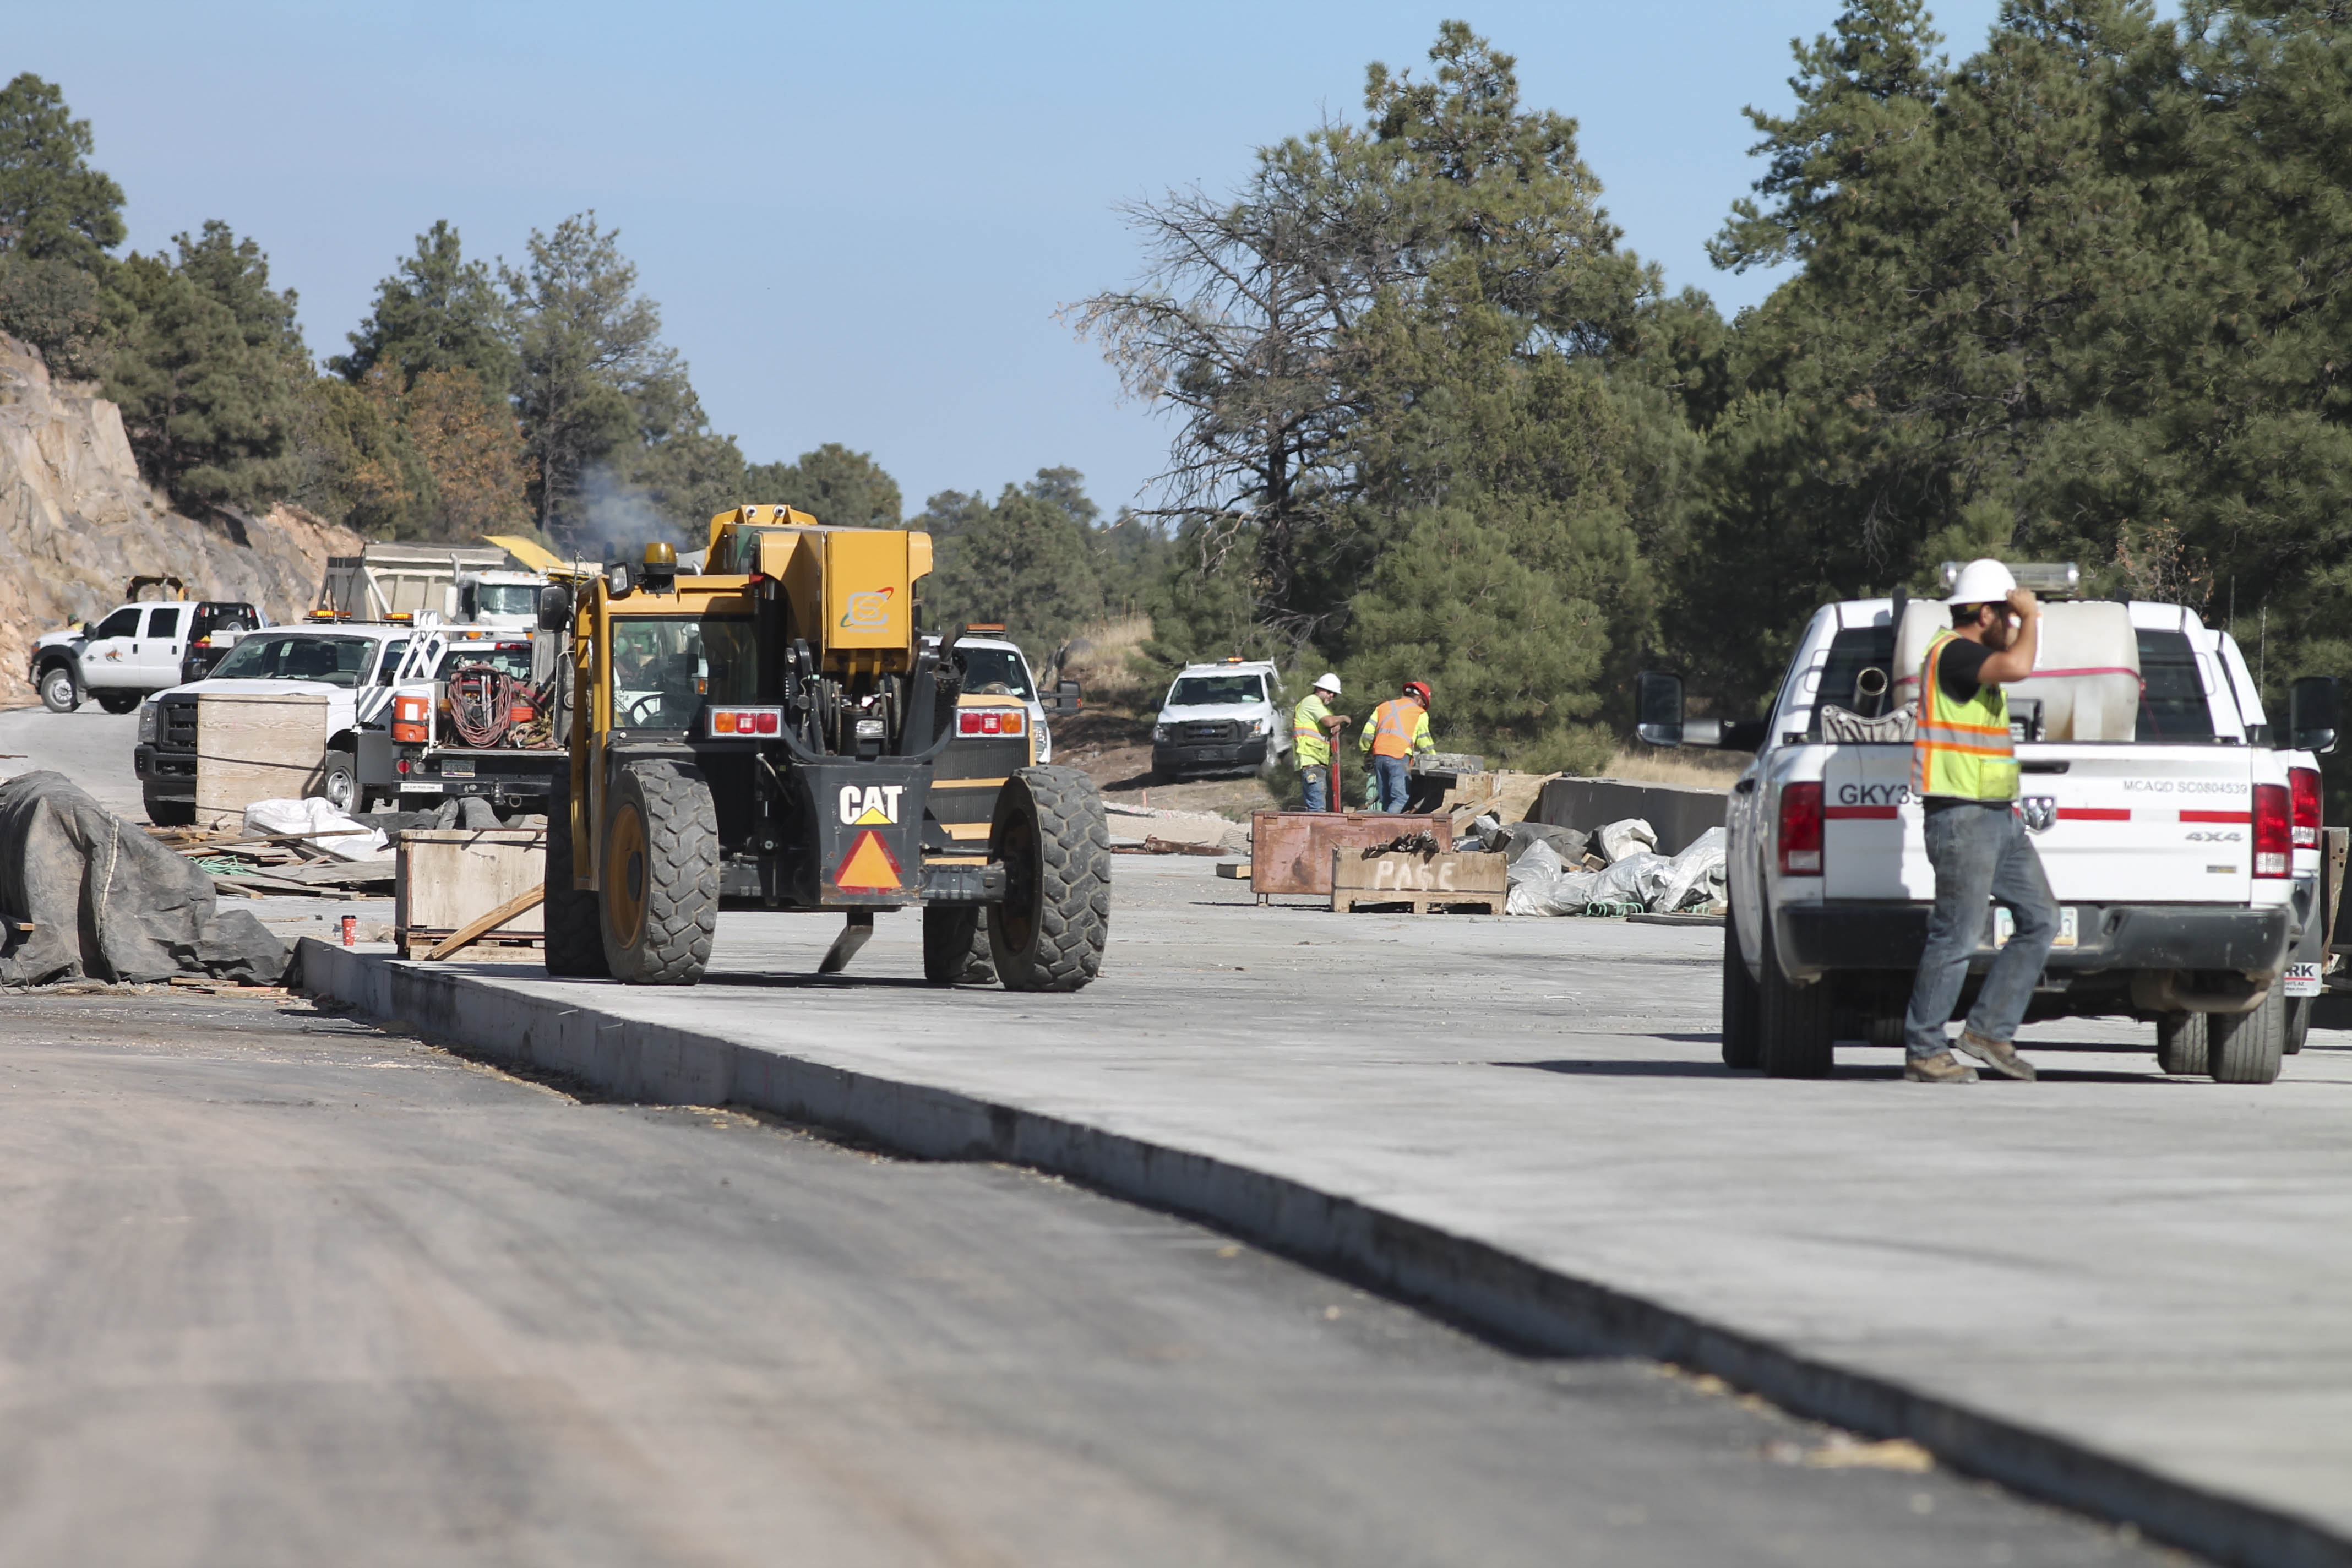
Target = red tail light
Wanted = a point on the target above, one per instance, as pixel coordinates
(2304, 784)
(2273, 831)
(409, 716)
(746, 721)
(1800, 830)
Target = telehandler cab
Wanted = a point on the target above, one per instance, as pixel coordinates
(770, 732)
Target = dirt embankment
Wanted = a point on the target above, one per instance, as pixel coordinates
(77, 522)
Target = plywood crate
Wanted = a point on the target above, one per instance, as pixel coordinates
(446, 877)
(251, 748)
(1427, 879)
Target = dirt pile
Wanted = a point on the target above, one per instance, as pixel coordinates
(77, 522)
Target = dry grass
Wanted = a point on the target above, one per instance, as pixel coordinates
(1676, 766)
(1099, 660)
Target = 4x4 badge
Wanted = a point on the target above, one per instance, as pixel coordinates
(2039, 812)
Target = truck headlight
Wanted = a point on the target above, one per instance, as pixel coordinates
(1160, 731)
(150, 715)
(1259, 726)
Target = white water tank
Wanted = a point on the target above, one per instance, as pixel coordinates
(2085, 673)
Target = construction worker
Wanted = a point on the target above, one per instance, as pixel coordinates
(1964, 771)
(1397, 731)
(1313, 728)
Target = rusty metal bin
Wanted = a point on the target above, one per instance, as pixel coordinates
(1290, 851)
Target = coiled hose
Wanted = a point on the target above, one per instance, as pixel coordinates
(482, 701)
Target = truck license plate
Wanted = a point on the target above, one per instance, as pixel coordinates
(2004, 926)
(456, 767)
(2303, 980)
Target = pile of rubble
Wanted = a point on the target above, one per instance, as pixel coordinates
(1616, 871)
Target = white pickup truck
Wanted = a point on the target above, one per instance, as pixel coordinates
(2180, 835)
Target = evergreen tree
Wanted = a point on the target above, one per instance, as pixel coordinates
(1028, 559)
(59, 217)
(832, 484)
(439, 312)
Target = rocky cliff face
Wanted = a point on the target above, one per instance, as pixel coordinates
(77, 522)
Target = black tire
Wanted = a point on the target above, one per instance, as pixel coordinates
(339, 783)
(2181, 1042)
(169, 813)
(120, 702)
(61, 692)
(1794, 1039)
(2247, 1047)
(659, 885)
(1051, 834)
(1741, 1041)
(2298, 1023)
(575, 941)
(955, 946)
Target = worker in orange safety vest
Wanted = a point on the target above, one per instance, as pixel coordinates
(1397, 731)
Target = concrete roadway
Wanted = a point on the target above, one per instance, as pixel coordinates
(2148, 1267)
(275, 1288)
(88, 745)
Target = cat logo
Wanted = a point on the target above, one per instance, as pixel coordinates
(868, 611)
(875, 805)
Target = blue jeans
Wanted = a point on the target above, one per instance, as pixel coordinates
(1980, 853)
(1387, 784)
(1314, 784)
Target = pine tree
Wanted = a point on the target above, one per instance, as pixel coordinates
(832, 484)
(439, 312)
(1026, 561)
(59, 217)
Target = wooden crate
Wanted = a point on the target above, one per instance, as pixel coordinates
(447, 877)
(1427, 880)
(1290, 851)
(251, 748)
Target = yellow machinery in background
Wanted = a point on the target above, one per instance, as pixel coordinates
(767, 734)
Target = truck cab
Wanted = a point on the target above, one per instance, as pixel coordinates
(134, 649)
(2181, 833)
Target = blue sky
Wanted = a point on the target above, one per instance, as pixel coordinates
(859, 220)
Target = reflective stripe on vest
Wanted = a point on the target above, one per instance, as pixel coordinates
(1961, 750)
(1393, 724)
(1309, 744)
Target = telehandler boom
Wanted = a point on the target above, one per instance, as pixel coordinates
(770, 732)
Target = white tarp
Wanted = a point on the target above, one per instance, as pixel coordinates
(316, 816)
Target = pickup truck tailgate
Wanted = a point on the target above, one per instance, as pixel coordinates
(2126, 823)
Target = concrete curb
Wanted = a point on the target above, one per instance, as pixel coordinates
(1467, 1281)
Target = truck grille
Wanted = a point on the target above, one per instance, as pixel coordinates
(178, 730)
(1210, 732)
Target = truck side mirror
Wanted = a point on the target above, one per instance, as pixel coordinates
(1658, 708)
(554, 608)
(2310, 719)
(1068, 697)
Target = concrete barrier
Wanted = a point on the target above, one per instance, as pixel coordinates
(1679, 812)
(1471, 1282)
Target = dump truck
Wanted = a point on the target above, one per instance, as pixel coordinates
(772, 732)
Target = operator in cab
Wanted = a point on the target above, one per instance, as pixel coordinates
(1964, 771)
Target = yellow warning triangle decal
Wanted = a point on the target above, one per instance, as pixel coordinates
(872, 818)
(868, 868)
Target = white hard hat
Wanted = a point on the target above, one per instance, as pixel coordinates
(1981, 582)
(1328, 682)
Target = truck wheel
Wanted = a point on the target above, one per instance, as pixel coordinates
(1050, 833)
(169, 813)
(2298, 1023)
(1739, 1021)
(1794, 1038)
(2246, 1047)
(338, 782)
(575, 945)
(60, 693)
(120, 702)
(661, 897)
(2180, 1044)
(955, 946)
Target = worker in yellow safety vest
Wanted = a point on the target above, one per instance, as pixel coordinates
(1397, 731)
(1313, 726)
(1964, 771)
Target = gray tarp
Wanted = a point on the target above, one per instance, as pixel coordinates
(108, 903)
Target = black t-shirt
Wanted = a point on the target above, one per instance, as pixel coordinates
(1957, 667)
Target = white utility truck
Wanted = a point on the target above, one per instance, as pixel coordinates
(2181, 833)
(1222, 718)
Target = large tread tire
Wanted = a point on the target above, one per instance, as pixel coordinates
(1741, 1037)
(2298, 1022)
(955, 946)
(1795, 1039)
(2247, 1047)
(1054, 841)
(575, 940)
(169, 813)
(120, 701)
(2181, 1044)
(660, 880)
(60, 692)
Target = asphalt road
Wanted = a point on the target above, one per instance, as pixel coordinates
(275, 1288)
(88, 745)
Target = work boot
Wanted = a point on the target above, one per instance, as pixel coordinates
(1941, 1067)
(1997, 1054)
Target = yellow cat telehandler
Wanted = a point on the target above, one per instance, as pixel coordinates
(771, 732)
